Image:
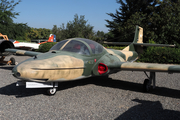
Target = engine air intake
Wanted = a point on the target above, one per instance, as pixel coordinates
(102, 68)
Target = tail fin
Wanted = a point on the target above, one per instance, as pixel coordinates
(138, 38)
(52, 38)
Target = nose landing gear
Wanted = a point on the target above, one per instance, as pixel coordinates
(51, 86)
(51, 91)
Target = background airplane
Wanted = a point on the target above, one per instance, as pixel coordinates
(10, 43)
(79, 58)
(32, 46)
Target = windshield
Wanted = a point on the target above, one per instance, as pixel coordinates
(77, 47)
(58, 45)
(96, 48)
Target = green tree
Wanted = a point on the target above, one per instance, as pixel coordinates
(43, 33)
(6, 18)
(38, 33)
(7, 26)
(59, 32)
(165, 22)
(159, 19)
(76, 28)
(33, 34)
(119, 27)
(109, 36)
(19, 30)
(99, 36)
(55, 30)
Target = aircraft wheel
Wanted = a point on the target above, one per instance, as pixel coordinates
(12, 61)
(52, 91)
(146, 85)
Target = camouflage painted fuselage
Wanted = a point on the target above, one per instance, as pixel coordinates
(60, 65)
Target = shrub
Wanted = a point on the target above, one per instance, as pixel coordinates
(114, 47)
(46, 47)
(161, 55)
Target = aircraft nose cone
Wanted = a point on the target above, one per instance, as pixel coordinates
(16, 73)
(50, 68)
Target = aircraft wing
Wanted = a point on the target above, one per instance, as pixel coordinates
(23, 52)
(150, 67)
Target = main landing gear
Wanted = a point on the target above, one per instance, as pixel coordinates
(147, 82)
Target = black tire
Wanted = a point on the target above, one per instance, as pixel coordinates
(12, 61)
(146, 85)
(52, 91)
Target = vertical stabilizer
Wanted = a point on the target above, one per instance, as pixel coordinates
(52, 38)
(138, 38)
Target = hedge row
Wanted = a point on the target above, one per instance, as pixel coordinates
(46, 47)
(115, 47)
(161, 55)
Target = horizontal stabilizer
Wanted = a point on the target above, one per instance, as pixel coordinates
(155, 45)
(117, 43)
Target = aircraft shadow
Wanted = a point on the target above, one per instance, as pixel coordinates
(7, 67)
(120, 84)
(21, 91)
(99, 81)
(137, 87)
(149, 110)
(2, 64)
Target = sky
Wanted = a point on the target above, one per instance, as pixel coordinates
(46, 13)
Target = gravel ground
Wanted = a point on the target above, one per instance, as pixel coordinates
(119, 97)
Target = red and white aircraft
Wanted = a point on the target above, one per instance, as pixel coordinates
(27, 45)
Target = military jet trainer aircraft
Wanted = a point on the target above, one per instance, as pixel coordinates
(79, 58)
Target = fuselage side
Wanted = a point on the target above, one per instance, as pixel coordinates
(70, 60)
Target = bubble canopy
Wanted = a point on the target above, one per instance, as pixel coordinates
(79, 45)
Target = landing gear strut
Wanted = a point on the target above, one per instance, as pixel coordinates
(147, 82)
(52, 90)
